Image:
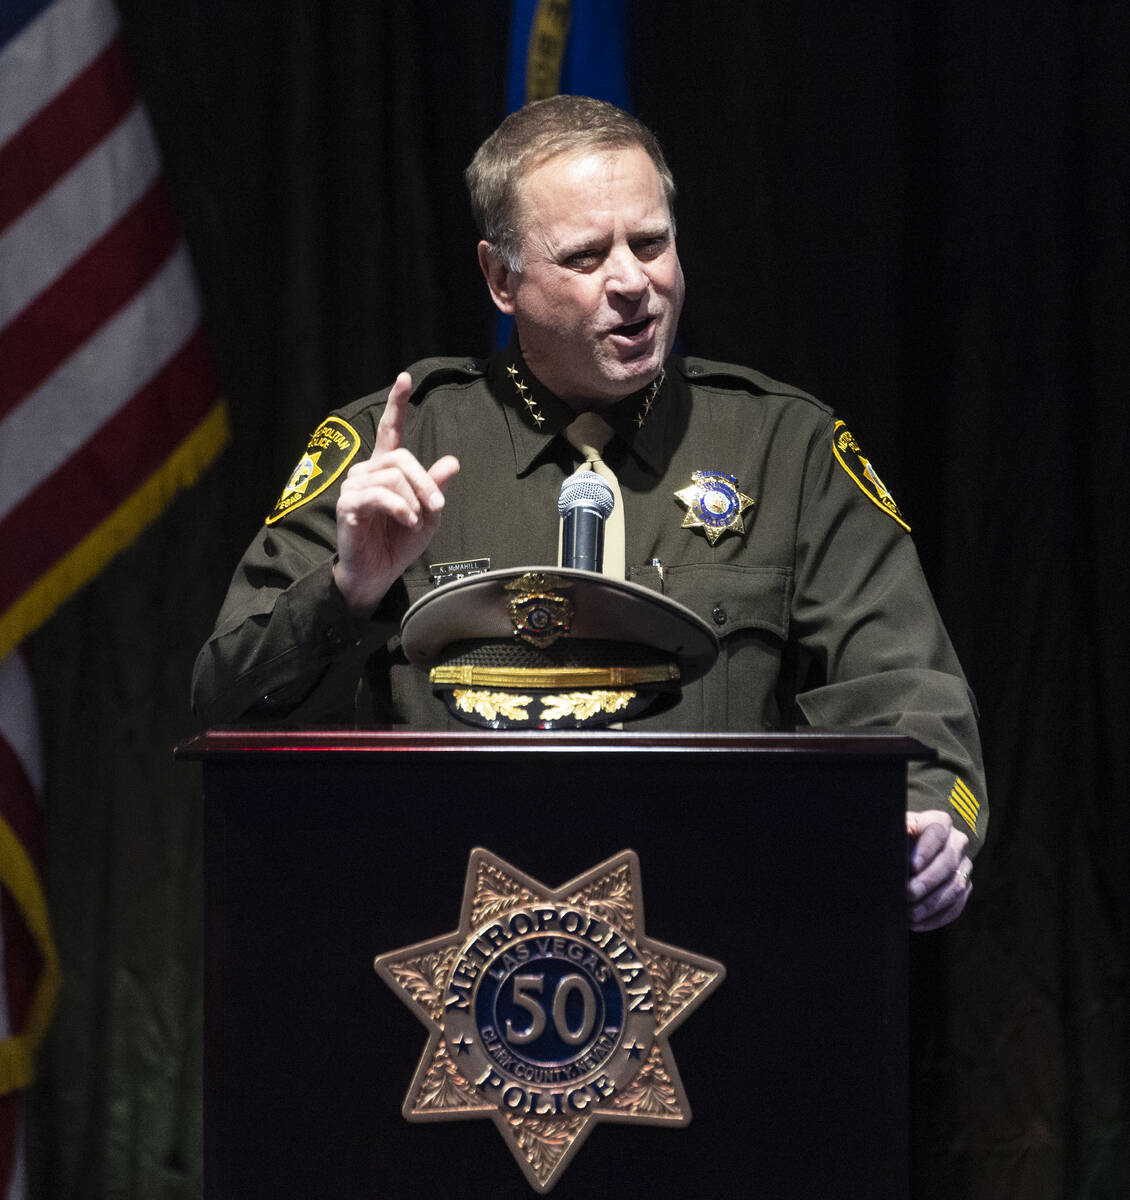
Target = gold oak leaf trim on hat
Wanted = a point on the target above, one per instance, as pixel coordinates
(864, 475)
(331, 448)
(583, 705)
(492, 705)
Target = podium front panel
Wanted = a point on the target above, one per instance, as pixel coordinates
(782, 857)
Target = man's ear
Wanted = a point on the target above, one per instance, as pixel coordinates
(500, 279)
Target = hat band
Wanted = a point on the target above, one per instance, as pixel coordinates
(553, 677)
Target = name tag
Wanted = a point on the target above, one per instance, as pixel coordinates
(450, 571)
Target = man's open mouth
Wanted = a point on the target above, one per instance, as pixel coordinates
(633, 329)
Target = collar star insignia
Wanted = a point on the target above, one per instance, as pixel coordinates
(527, 398)
(649, 398)
(548, 1010)
(538, 418)
(714, 504)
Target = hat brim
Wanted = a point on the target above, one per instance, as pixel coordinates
(604, 608)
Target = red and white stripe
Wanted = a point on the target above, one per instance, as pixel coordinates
(103, 369)
(108, 404)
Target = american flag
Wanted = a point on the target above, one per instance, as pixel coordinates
(108, 404)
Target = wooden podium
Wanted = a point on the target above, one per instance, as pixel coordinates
(782, 856)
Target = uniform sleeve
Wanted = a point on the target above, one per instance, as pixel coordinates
(873, 646)
(286, 649)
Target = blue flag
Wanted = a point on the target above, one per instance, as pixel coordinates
(578, 48)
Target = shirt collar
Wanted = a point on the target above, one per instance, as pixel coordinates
(525, 400)
(533, 413)
(645, 428)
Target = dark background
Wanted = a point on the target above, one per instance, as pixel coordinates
(917, 211)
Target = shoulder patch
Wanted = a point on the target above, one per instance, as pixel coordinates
(330, 450)
(850, 457)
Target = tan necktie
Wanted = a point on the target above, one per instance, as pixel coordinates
(588, 435)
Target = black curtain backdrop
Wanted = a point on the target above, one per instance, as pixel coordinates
(917, 211)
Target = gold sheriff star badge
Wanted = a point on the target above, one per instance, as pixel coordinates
(714, 504)
(549, 1010)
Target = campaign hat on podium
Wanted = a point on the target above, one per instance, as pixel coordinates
(554, 648)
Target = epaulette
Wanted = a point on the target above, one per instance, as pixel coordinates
(427, 374)
(699, 370)
(845, 447)
(431, 373)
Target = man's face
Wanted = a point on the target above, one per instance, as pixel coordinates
(598, 298)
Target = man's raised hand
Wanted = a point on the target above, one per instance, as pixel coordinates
(388, 509)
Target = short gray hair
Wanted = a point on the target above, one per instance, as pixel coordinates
(530, 136)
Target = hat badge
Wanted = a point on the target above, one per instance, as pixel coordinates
(538, 612)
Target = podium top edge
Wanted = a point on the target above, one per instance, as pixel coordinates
(808, 743)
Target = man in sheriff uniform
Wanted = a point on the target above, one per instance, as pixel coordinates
(743, 499)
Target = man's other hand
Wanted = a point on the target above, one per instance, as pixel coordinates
(938, 882)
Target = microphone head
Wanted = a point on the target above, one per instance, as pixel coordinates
(588, 489)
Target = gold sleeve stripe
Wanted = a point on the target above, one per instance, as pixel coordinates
(963, 800)
(962, 789)
(970, 818)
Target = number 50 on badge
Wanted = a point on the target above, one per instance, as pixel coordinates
(549, 1010)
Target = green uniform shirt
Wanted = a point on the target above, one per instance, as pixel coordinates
(820, 605)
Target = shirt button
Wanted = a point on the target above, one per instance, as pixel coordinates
(331, 635)
(719, 615)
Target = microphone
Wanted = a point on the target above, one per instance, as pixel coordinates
(586, 500)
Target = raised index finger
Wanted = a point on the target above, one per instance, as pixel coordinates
(391, 425)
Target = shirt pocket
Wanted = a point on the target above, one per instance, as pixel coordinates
(748, 608)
